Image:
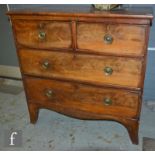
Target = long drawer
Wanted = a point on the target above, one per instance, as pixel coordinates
(104, 101)
(102, 70)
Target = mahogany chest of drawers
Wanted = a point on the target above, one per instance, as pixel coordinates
(86, 64)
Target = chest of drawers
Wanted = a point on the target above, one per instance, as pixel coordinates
(84, 63)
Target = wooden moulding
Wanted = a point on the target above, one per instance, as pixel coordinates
(86, 19)
(79, 11)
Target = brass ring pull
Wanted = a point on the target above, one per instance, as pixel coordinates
(49, 93)
(108, 71)
(42, 35)
(45, 64)
(107, 101)
(108, 39)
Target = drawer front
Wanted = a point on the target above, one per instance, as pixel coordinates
(114, 39)
(75, 96)
(43, 34)
(87, 68)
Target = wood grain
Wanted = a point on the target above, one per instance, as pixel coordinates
(84, 97)
(132, 125)
(77, 55)
(89, 68)
(127, 39)
(58, 34)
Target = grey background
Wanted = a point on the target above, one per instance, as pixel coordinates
(8, 53)
(7, 47)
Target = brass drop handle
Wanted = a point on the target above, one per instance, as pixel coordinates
(108, 39)
(46, 64)
(42, 35)
(108, 71)
(107, 101)
(49, 93)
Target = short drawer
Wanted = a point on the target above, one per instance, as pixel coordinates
(43, 34)
(100, 70)
(73, 96)
(118, 39)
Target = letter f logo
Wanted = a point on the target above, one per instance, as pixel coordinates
(12, 138)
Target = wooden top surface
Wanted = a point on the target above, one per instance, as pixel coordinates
(85, 11)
